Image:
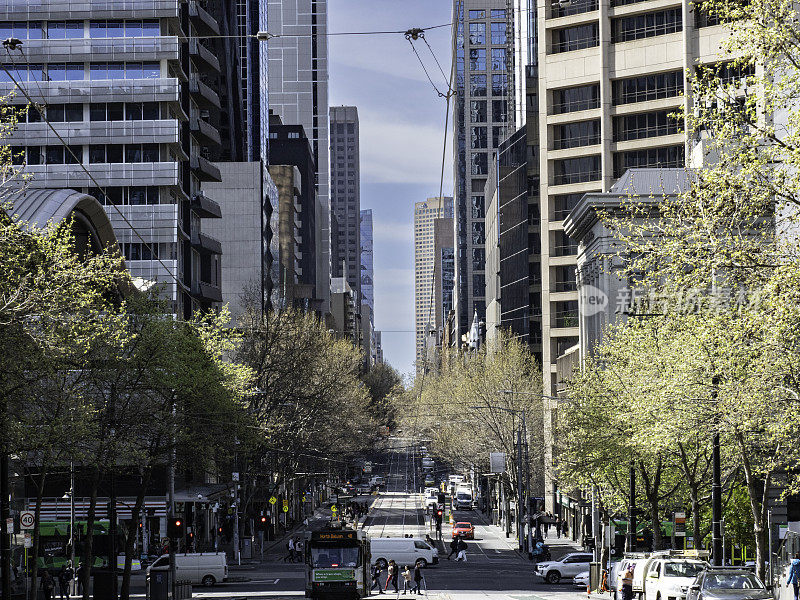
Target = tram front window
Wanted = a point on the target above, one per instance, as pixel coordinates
(323, 558)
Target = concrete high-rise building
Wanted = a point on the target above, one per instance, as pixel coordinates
(480, 117)
(124, 84)
(367, 270)
(298, 93)
(346, 195)
(425, 310)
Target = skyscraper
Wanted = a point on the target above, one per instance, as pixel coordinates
(367, 272)
(346, 195)
(125, 87)
(480, 118)
(425, 309)
(298, 93)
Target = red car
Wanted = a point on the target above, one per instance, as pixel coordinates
(464, 529)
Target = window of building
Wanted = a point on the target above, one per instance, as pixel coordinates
(24, 30)
(563, 205)
(112, 28)
(574, 135)
(563, 245)
(477, 111)
(499, 111)
(127, 70)
(499, 84)
(133, 195)
(106, 153)
(582, 97)
(498, 13)
(499, 33)
(575, 38)
(479, 284)
(477, 85)
(478, 259)
(477, 34)
(576, 170)
(59, 155)
(64, 113)
(498, 59)
(22, 72)
(635, 27)
(477, 14)
(575, 7)
(478, 204)
(564, 280)
(667, 158)
(728, 73)
(477, 59)
(65, 72)
(647, 87)
(478, 137)
(566, 314)
(64, 30)
(479, 163)
(22, 155)
(497, 136)
(646, 125)
(478, 233)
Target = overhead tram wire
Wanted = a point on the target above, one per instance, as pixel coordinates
(10, 44)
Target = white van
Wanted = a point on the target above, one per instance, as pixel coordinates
(404, 551)
(207, 568)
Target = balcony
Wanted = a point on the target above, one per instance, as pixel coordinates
(106, 174)
(205, 207)
(202, 55)
(204, 132)
(98, 49)
(157, 223)
(205, 169)
(54, 10)
(205, 243)
(164, 131)
(62, 92)
(203, 22)
(207, 291)
(204, 95)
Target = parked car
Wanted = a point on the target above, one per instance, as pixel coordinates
(464, 529)
(727, 583)
(669, 578)
(568, 567)
(581, 580)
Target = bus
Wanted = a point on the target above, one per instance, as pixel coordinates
(337, 563)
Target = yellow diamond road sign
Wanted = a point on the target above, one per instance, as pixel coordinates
(273, 500)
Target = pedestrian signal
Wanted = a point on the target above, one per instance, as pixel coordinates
(175, 528)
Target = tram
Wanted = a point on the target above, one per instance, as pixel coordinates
(337, 563)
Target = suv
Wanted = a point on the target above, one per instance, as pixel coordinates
(669, 578)
(567, 567)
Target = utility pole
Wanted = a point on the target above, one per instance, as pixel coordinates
(236, 552)
(631, 542)
(5, 537)
(528, 509)
(716, 506)
(74, 581)
(112, 533)
(520, 501)
(173, 571)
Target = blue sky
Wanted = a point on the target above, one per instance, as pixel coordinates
(402, 123)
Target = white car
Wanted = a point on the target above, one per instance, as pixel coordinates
(574, 563)
(581, 580)
(670, 578)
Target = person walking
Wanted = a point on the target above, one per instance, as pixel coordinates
(48, 584)
(462, 550)
(290, 548)
(406, 580)
(418, 579)
(558, 527)
(299, 546)
(64, 580)
(794, 575)
(627, 584)
(392, 576)
(376, 578)
(80, 574)
(453, 547)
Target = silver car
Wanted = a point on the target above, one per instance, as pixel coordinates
(574, 563)
(727, 584)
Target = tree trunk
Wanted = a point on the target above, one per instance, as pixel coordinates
(130, 541)
(88, 558)
(36, 533)
(758, 504)
(695, 500)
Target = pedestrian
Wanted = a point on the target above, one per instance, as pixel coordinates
(64, 580)
(299, 546)
(627, 584)
(564, 528)
(794, 575)
(80, 574)
(406, 580)
(290, 548)
(462, 550)
(418, 578)
(558, 527)
(48, 584)
(453, 547)
(376, 578)
(392, 576)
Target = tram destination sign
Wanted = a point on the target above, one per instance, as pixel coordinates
(334, 535)
(321, 575)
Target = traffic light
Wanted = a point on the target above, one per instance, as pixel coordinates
(262, 522)
(439, 514)
(175, 528)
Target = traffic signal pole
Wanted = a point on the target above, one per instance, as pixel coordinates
(173, 571)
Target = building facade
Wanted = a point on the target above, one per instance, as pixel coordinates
(480, 117)
(346, 195)
(367, 269)
(126, 88)
(298, 93)
(425, 216)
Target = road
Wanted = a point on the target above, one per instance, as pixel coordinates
(493, 571)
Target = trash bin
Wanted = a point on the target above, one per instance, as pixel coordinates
(158, 585)
(103, 586)
(594, 576)
(247, 548)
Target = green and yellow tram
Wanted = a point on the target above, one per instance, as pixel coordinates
(337, 563)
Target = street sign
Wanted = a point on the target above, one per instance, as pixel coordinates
(273, 500)
(235, 476)
(26, 519)
(497, 462)
(334, 510)
(680, 524)
(28, 541)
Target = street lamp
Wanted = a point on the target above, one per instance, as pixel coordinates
(71, 495)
